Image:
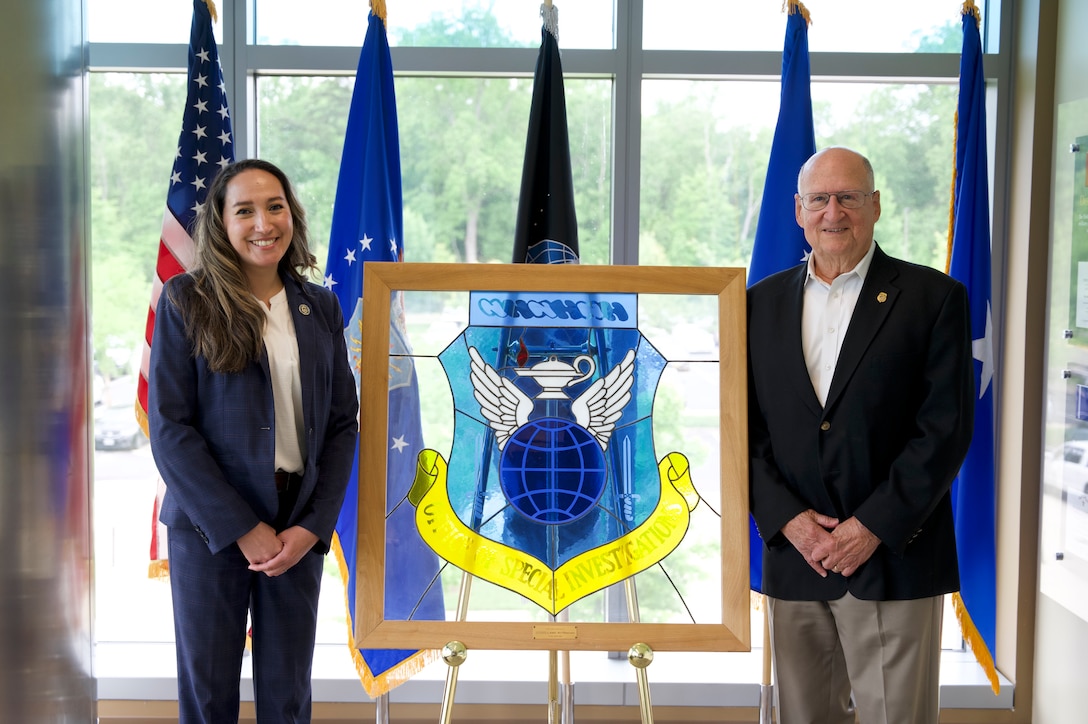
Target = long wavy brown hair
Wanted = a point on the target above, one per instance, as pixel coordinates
(223, 320)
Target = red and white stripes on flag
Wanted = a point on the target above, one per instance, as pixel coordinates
(205, 145)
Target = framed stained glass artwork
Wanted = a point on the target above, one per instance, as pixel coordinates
(555, 454)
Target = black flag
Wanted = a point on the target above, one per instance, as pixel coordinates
(547, 228)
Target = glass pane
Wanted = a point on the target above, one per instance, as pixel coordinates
(139, 21)
(129, 177)
(1063, 544)
(854, 26)
(704, 158)
(300, 127)
(462, 148)
(434, 23)
(557, 488)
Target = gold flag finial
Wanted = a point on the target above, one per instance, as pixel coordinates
(211, 9)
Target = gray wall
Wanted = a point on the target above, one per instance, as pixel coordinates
(45, 551)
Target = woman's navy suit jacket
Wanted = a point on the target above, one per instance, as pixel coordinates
(213, 434)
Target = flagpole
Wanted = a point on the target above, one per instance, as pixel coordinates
(381, 709)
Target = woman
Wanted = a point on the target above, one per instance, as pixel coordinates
(253, 418)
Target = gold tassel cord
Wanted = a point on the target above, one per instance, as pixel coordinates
(970, 7)
(211, 9)
(796, 6)
(377, 8)
(952, 196)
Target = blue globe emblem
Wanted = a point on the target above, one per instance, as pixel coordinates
(552, 470)
(549, 251)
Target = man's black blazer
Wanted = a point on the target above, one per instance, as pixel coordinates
(887, 444)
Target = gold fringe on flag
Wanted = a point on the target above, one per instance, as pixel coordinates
(974, 642)
(211, 9)
(796, 6)
(382, 683)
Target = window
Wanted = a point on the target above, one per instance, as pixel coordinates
(135, 21)
(669, 145)
(433, 23)
(848, 26)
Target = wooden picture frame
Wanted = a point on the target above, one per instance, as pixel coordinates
(725, 288)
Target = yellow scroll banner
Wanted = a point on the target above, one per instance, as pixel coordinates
(522, 573)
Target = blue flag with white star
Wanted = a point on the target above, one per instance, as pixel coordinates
(973, 492)
(367, 225)
(780, 242)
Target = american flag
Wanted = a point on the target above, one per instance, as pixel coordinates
(205, 145)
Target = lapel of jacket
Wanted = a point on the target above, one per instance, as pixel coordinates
(793, 302)
(878, 296)
(302, 315)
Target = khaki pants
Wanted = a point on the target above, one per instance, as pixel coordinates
(885, 653)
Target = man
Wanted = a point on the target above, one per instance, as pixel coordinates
(860, 414)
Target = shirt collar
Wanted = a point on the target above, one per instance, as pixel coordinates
(860, 270)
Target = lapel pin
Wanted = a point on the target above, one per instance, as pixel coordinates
(882, 297)
(304, 309)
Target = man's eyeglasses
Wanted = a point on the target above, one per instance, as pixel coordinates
(847, 199)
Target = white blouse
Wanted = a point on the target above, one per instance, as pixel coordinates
(283, 364)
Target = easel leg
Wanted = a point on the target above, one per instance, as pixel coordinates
(640, 656)
(553, 687)
(565, 698)
(454, 654)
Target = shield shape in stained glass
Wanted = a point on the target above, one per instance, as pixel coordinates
(570, 414)
(553, 489)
